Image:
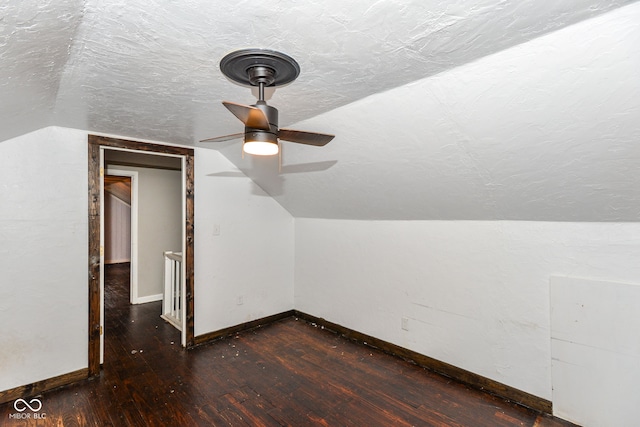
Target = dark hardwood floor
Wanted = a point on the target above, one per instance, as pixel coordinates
(288, 373)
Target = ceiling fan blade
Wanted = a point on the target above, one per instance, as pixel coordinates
(224, 138)
(252, 117)
(301, 137)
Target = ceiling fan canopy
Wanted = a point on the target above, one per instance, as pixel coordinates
(263, 68)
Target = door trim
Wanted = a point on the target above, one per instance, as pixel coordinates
(95, 143)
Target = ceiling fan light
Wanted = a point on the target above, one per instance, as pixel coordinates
(260, 148)
(260, 144)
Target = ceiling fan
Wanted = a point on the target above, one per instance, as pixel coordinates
(263, 68)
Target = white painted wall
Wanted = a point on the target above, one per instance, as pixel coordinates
(160, 224)
(117, 230)
(476, 293)
(43, 255)
(595, 351)
(252, 257)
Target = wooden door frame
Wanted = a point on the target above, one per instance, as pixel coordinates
(94, 146)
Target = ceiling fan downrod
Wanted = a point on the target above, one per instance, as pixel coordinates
(261, 76)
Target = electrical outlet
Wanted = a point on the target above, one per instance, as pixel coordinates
(405, 323)
(216, 229)
(240, 300)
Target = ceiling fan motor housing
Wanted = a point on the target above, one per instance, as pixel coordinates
(271, 135)
(270, 112)
(260, 136)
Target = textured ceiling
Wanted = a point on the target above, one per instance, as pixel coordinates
(442, 109)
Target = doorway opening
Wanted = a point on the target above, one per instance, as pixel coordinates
(98, 146)
(120, 219)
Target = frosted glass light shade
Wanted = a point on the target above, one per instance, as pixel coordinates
(260, 148)
(260, 143)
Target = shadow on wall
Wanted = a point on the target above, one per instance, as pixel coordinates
(268, 174)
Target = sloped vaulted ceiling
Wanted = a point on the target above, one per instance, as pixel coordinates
(491, 109)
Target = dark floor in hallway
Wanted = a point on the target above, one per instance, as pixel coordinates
(288, 373)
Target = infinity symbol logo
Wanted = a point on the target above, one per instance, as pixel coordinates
(21, 405)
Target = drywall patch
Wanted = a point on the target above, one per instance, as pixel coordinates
(595, 351)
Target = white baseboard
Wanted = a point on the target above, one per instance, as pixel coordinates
(148, 298)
